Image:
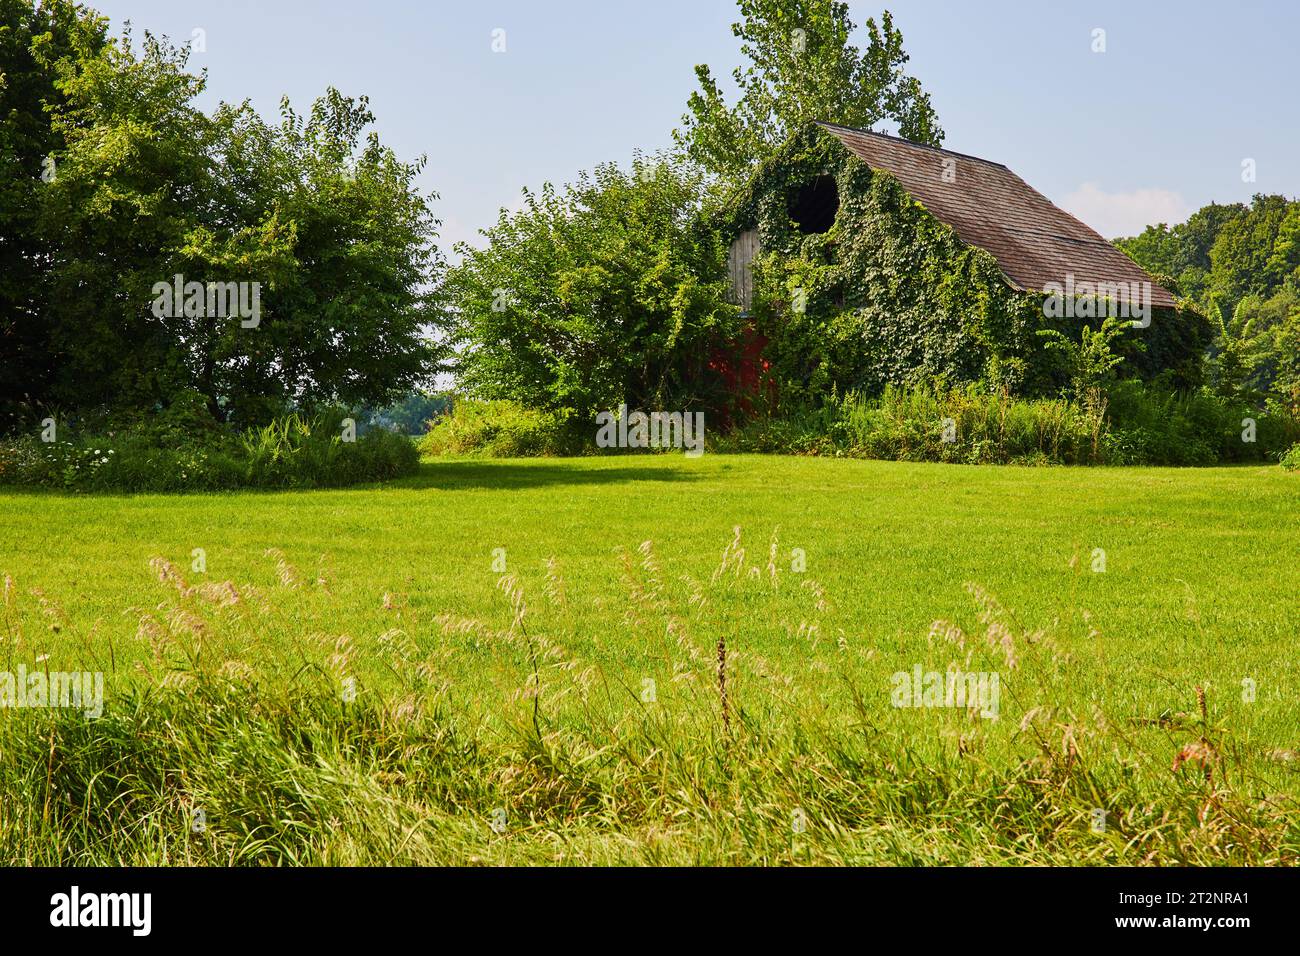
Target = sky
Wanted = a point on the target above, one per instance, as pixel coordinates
(1148, 130)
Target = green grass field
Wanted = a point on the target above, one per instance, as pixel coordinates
(370, 688)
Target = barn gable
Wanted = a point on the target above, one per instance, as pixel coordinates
(1035, 242)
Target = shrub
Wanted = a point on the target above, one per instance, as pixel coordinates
(1130, 424)
(610, 290)
(933, 424)
(503, 429)
(1148, 426)
(1291, 460)
(297, 451)
(292, 452)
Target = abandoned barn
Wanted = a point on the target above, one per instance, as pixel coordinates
(863, 259)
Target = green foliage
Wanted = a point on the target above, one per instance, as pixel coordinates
(1149, 426)
(148, 186)
(610, 291)
(1092, 361)
(1129, 424)
(1291, 460)
(174, 453)
(802, 68)
(501, 429)
(1181, 253)
(309, 451)
(1225, 253)
(32, 38)
(966, 425)
(1257, 252)
(1240, 265)
(1261, 345)
(891, 295)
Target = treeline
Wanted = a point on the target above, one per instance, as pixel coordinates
(1240, 264)
(151, 251)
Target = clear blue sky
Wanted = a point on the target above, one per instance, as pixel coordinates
(1150, 130)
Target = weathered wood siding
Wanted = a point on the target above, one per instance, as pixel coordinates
(738, 268)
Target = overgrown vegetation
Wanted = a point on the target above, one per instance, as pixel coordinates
(610, 290)
(115, 181)
(1126, 424)
(171, 453)
(1241, 265)
(507, 734)
(890, 295)
(502, 429)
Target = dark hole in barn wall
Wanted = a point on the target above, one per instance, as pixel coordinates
(814, 204)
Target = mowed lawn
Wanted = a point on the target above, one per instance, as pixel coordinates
(396, 594)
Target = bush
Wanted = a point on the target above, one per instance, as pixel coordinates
(613, 289)
(1291, 460)
(295, 451)
(933, 424)
(1130, 424)
(501, 429)
(1152, 427)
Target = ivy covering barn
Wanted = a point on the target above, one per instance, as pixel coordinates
(863, 260)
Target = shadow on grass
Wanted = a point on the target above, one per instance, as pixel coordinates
(450, 475)
(537, 473)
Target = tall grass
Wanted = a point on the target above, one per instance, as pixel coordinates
(1128, 424)
(216, 754)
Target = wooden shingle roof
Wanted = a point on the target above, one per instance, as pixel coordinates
(989, 206)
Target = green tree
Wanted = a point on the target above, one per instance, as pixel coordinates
(611, 290)
(314, 214)
(350, 311)
(1181, 253)
(1251, 254)
(1091, 362)
(802, 68)
(1262, 337)
(32, 40)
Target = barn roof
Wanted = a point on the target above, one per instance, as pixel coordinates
(989, 206)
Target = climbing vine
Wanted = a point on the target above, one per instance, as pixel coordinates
(891, 295)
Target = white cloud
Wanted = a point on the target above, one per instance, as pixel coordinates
(1125, 214)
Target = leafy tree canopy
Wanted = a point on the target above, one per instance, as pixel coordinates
(31, 38)
(1241, 265)
(317, 226)
(610, 290)
(802, 68)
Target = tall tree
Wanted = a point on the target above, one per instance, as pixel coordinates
(314, 216)
(802, 67)
(1246, 256)
(33, 40)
